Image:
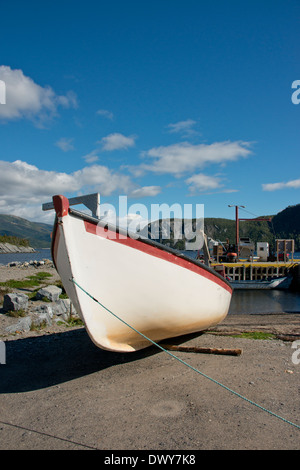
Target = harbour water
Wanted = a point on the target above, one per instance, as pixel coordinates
(243, 302)
(39, 255)
(262, 301)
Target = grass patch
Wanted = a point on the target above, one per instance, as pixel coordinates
(14, 284)
(40, 276)
(35, 327)
(31, 295)
(59, 284)
(63, 295)
(45, 299)
(254, 335)
(16, 313)
(75, 321)
(72, 321)
(3, 292)
(29, 281)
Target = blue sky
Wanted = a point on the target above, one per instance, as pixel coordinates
(164, 101)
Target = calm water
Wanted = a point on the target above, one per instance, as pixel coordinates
(271, 301)
(39, 255)
(257, 301)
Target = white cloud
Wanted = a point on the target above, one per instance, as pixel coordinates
(117, 141)
(24, 187)
(65, 144)
(182, 127)
(19, 179)
(145, 191)
(201, 182)
(131, 221)
(102, 179)
(91, 157)
(26, 99)
(180, 158)
(295, 184)
(105, 113)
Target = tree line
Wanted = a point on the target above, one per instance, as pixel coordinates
(14, 240)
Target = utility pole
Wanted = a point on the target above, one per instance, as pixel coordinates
(237, 236)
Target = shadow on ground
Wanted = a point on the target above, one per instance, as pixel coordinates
(44, 361)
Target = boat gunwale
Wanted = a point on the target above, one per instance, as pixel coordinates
(152, 243)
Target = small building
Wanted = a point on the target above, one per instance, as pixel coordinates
(262, 251)
(246, 247)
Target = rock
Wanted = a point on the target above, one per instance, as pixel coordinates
(9, 248)
(42, 320)
(15, 302)
(62, 309)
(44, 309)
(52, 293)
(24, 324)
(43, 315)
(47, 261)
(62, 306)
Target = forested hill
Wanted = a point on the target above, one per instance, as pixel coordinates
(36, 234)
(285, 224)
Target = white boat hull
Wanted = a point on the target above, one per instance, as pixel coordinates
(156, 291)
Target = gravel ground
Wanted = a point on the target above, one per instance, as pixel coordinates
(20, 272)
(59, 391)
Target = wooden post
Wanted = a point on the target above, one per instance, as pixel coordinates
(194, 349)
(237, 238)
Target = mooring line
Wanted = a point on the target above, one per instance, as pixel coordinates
(42, 433)
(185, 363)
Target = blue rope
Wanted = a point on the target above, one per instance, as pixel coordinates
(185, 363)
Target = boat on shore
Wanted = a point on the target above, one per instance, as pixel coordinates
(245, 270)
(275, 283)
(154, 289)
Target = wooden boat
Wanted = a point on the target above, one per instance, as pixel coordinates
(156, 290)
(275, 283)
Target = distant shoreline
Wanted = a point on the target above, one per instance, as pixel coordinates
(38, 254)
(6, 248)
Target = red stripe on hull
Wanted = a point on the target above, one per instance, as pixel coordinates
(154, 251)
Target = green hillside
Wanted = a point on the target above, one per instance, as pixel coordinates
(223, 229)
(37, 234)
(285, 224)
